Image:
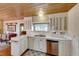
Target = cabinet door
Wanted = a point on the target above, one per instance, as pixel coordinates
(15, 48)
(36, 44)
(22, 41)
(23, 44)
(42, 45)
(31, 43)
(65, 48)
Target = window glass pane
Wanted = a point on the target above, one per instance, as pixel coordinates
(40, 27)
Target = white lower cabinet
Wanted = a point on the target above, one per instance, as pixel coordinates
(40, 44)
(36, 44)
(19, 45)
(23, 44)
(65, 48)
(15, 50)
(31, 43)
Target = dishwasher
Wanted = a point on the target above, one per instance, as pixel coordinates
(52, 47)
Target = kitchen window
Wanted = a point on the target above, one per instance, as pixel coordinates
(40, 27)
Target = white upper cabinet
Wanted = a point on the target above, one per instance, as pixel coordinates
(58, 22)
(28, 23)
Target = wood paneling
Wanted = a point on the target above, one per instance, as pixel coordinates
(13, 11)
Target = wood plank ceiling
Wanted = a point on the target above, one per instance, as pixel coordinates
(15, 11)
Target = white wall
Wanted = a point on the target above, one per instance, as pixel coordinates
(73, 21)
(73, 28)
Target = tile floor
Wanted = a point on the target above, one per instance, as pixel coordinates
(34, 53)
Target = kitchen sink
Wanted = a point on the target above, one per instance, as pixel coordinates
(40, 35)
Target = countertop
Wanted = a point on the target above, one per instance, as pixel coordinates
(48, 37)
(53, 37)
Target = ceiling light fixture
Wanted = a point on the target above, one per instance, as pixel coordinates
(41, 13)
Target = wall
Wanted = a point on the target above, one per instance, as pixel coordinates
(1, 26)
(73, 28)
(40, 19)
(73, 21)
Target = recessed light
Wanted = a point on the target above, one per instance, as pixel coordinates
(41, 13)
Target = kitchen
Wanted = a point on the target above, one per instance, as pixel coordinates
(42, 39)
(47, 34)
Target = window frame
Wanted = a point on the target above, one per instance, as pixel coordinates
(33, 27)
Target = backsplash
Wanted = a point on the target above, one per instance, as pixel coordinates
(37, 33)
